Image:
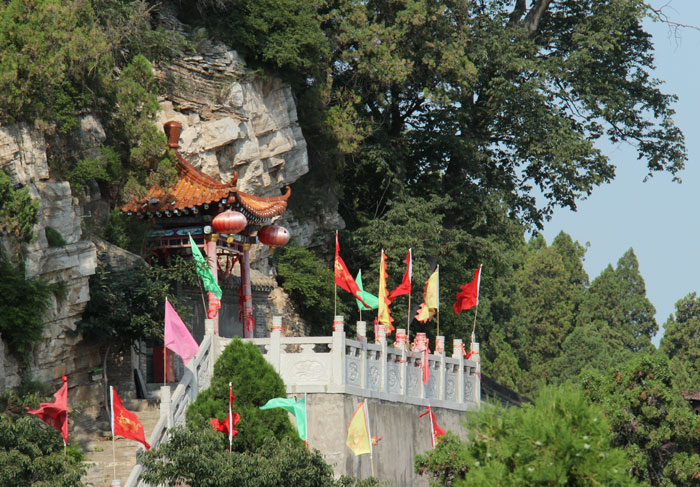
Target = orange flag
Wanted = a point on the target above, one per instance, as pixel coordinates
(358, 431)
(431, 297)
(124, 422)
(383, 312)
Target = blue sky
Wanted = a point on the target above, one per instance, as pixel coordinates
(657, 218)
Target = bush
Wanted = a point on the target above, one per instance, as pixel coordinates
(561, 439)
(31, 454)
(22, 305)
(54, 238)
(254, 383)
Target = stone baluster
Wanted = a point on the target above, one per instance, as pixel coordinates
(440, 350)
(166, 409)
(457, 354)
(362, 338)
(402, 344)
(338, 351)
(474, 349)
(214, 350)
(275, 350)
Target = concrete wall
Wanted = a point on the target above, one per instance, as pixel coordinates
(404, 436)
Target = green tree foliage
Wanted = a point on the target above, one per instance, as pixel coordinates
(561, 439)
(551, 285)
(617, 306)
(254, 383)
(51, 53)
(284, 35)
(199, 457)
(681, 340)
(128, 306)
(649, 419)
(472, 99)
(22, 305)
(31, 455)
(18, 211)
(310, 283)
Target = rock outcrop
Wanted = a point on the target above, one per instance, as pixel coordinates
(23, 157)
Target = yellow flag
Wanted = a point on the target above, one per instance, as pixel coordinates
(358, 433)
(383, 313)
(431, 297)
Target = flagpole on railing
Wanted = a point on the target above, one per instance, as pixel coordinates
(165, 363)
(114, 448)
(476, 308)
(438, 300)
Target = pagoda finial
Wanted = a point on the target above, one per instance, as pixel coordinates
(172, 131)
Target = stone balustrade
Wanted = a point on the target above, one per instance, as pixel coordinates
(342, 365)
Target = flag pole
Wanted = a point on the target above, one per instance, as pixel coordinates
(369, 435)
(165, 363)
(306, 414)
(476, 308)
(335, 285)
(114, 448)
(438, 301)
(230, 415)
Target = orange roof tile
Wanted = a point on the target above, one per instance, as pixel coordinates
(194, 189)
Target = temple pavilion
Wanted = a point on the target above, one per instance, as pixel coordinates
(223, 221)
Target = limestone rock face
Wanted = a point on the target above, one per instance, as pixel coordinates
(23, 157)
(234, 121)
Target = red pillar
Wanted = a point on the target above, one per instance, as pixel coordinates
(247, 295)
(210, 249)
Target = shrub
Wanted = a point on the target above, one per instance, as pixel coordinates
(254, 383)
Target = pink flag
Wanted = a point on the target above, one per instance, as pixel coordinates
(177, 336)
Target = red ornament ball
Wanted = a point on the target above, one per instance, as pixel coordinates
(273, 235)
(229, 222)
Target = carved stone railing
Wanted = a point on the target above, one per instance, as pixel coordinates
(340, 365)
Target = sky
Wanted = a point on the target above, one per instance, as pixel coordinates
(655, 218)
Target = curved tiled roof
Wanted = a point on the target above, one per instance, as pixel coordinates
(195, 190)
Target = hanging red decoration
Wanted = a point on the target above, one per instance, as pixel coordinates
(229, 222)
(273, 235)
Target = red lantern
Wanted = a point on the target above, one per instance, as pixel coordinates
(273, 236)
(229, 222)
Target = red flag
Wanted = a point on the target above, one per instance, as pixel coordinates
(435, 430)
(469, 294)
(55, 414)
(228, 425)
(405, 286)
(124, 422)
(342, 275)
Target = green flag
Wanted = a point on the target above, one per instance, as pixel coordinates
(204, 271)
(297, 408)
(369, 298)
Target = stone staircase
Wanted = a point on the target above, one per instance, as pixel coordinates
(95, 438)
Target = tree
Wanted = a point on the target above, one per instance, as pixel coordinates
(561, 439)
(681, 340)
(476, 99)
(199, 457)
(649, 419)
(551, 285)
(254, 383)
(617, 305)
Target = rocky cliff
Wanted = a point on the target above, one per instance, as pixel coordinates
(233, 120)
